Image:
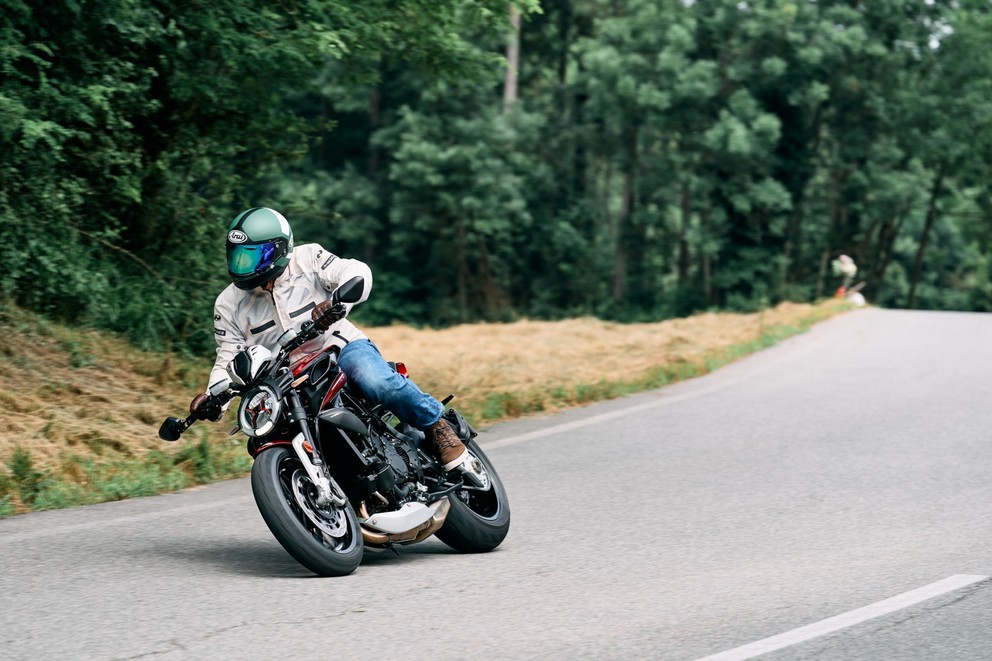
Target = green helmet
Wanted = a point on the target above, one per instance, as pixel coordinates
(259, 243)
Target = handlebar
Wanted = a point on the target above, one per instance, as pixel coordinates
(173, 428)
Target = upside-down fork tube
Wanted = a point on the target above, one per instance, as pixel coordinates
(418, 534)
(325, 494)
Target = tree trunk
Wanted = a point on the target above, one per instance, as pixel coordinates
(626, 210)
(604, 198)
(938, 183)
(463, 274)
(620, 256)
(790, 249)
(821, 277)
(885, 256)
(512, 60)
(836, 182)
(704, 259)
(374, 107)
(683, 262)
(564, 34)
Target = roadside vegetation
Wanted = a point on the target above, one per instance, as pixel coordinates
(592, 167)
(81, 408)
(647, 184)
(493, 160)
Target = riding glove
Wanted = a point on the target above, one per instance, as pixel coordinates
(197, 408)
(335, 313)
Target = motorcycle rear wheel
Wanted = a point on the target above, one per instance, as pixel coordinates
(477, 521)
(325, 540)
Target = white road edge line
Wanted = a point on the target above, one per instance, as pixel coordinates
(844, 620)
(603, 417)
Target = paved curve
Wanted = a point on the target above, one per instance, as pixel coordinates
(835, 470)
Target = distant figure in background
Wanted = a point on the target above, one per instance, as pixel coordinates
(844, 266)
(275, 287)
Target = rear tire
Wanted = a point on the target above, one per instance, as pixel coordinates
(477, 521)
(327, 541)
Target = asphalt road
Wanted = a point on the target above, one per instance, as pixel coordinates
(835, 471)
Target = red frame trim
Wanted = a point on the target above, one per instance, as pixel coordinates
(305, 361)
(335, 388)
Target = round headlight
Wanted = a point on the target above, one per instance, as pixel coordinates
(259, 411)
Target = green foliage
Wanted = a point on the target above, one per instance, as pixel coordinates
(662, 157)
(24, 477)
(133, 132)
(116, 476)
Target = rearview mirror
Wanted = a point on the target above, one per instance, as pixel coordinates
(172, 429)
(349, 292)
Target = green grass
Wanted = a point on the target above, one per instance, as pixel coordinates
(115, 476)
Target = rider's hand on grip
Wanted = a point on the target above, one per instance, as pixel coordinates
(327, 314)
(198, 408)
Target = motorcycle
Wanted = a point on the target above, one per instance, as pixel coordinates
(334, 474)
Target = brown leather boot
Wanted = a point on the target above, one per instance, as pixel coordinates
(450, 448)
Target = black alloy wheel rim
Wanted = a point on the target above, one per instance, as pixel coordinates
(300, 494)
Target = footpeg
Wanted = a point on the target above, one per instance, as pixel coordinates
(474, 472)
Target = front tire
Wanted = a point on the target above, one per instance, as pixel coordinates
(325, 540)
(478, 520)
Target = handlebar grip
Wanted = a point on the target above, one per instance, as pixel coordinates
(211, 405)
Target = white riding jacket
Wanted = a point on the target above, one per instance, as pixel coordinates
(243, 318)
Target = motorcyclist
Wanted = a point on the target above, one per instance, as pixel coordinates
(274, 285)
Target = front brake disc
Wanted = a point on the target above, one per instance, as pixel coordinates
(329, 520)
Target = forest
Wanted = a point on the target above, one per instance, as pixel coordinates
(634, 160)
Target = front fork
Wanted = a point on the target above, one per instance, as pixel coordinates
(328, 492)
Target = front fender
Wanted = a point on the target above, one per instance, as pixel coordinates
(254, 450)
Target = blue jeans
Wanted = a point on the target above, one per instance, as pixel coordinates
(364, 366)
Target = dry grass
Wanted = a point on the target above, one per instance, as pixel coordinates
(73, 396)
(80, 417)
(80, 390)
(530, 366)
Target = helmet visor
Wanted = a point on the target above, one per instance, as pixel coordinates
(249, 259)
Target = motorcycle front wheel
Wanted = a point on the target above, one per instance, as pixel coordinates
(325, 540)
(478, 520)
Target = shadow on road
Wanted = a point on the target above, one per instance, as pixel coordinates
(404, 554)
(267, 558)
(239, 556)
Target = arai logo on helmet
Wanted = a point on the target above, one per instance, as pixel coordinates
(237, 236)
